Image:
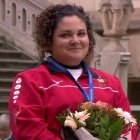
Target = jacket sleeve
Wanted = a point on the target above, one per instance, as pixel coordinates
(27, 117)
(122, 101)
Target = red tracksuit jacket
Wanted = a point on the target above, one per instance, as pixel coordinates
(38, 95)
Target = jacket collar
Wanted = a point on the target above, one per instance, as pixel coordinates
(54, 67)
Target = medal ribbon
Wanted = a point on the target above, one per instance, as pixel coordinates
(89, 97)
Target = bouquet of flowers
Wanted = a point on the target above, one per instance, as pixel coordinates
(98, 121)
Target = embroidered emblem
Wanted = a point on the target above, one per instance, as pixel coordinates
(18, 86)
(19, 80)
(14, 101)
(18, 111)
(57, 82)
(15, 97)
(17, 89)
(102, 81)
(16, 92)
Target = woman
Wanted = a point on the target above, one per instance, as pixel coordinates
(63, 80)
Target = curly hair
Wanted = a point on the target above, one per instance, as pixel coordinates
(47, 22)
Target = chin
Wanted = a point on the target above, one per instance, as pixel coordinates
(75, 61)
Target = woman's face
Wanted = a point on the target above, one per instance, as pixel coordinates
(70, 42)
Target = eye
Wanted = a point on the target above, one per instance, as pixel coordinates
(65, 35)
(81, 34)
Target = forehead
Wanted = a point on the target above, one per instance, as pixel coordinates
(71, 22)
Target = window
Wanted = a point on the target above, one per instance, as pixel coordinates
(2, 10)
(13, 14)
(134, 95)
(33, 21)
(24, 20)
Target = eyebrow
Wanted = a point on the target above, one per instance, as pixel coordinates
(68, 31)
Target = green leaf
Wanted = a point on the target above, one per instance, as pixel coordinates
(61, 119)
(115, 130)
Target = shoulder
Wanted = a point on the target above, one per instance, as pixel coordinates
(33, 73)
(111, 79)
(101, 73)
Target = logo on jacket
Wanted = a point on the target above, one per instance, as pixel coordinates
(17, 91)
(102, 81)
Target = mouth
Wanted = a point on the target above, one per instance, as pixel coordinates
(74, 48)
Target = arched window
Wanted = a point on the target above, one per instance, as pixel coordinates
(33, 21)
(2, 10)
(13, 14)
(24, 20)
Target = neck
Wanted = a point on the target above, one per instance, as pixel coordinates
(67, 66)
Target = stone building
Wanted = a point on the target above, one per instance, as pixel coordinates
(17, 19)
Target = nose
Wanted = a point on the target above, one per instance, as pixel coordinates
(75, 39)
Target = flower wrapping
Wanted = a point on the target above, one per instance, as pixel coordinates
(83, 134)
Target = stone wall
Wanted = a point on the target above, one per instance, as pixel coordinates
(17, 19)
